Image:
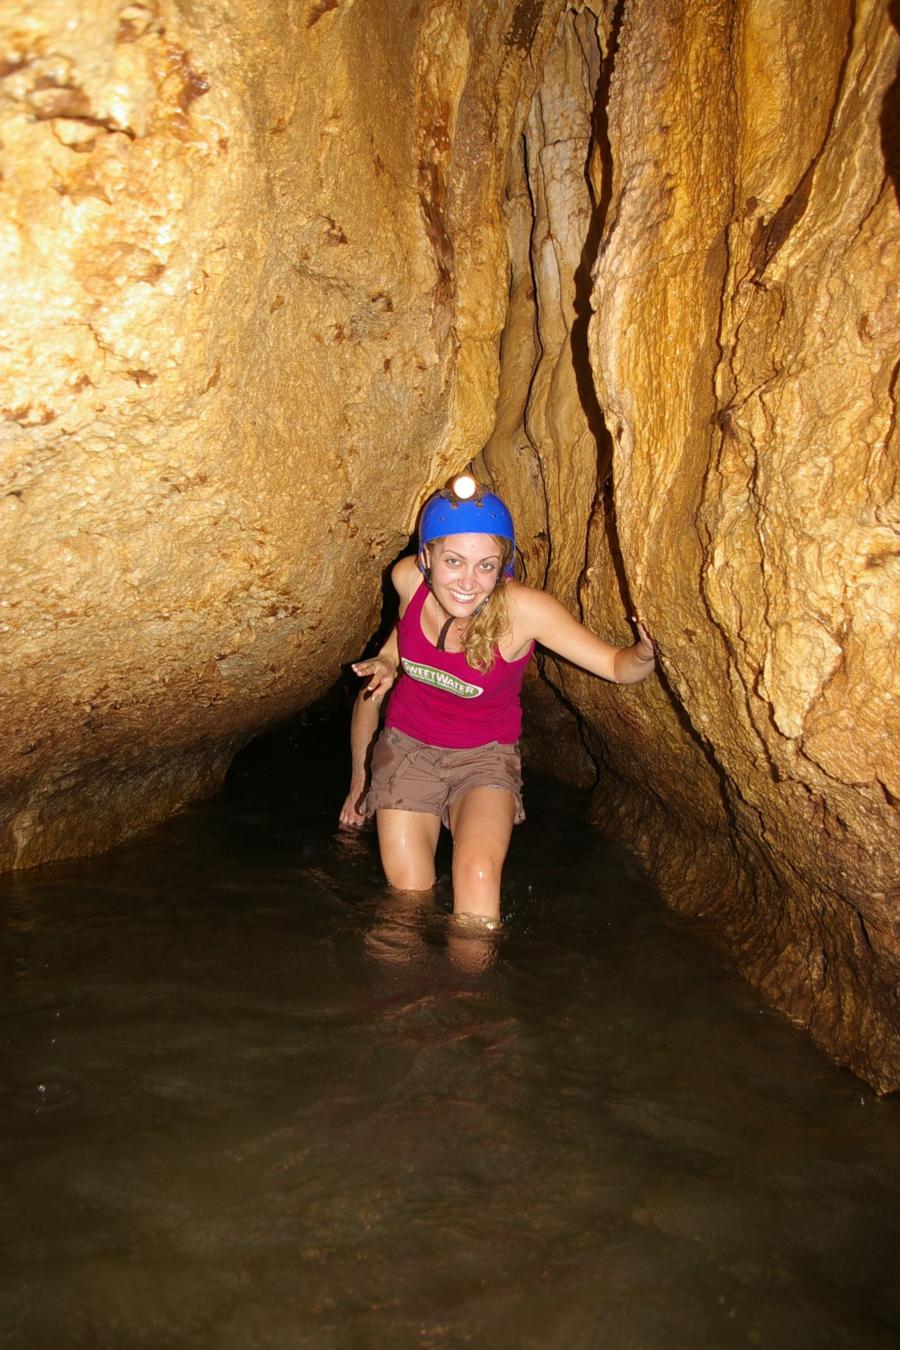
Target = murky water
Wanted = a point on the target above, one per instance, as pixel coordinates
(252, 1101)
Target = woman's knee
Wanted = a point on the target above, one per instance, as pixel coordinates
(476, 867)
(406, 875)
(407, 843)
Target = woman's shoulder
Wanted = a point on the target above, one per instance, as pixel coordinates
(532, 610)
(520, 605)
(407, 579)
(524, 600)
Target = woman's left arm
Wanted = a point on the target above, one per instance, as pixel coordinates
(550, 624)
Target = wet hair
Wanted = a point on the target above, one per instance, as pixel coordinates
(485, 630)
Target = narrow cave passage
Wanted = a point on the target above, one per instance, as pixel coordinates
(274, 270)
(636, 260)
(253, 1099)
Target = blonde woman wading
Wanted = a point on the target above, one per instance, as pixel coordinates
(449, 752)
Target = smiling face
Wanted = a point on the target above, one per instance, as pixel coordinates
(465, 569)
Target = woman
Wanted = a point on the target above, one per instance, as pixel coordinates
(449, 752)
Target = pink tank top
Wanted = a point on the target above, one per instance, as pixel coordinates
(440, 699)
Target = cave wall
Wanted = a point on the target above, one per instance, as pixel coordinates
(733, 200)
(253, 275)
(271, 271)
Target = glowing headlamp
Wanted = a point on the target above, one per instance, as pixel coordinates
(464, 487)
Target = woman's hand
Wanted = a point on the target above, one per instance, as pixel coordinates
(644, 649)
(351, 818)
(382, 672)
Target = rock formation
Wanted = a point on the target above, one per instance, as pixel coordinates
(253, 279)
(745, 252)
(271, 271)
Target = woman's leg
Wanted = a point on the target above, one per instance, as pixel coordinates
(481, 822)
(407, 841)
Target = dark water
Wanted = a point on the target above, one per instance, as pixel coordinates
(253, 1101)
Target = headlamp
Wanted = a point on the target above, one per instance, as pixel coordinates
(464, 487)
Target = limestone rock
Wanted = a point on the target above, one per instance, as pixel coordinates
(743, 346)
(253, 276)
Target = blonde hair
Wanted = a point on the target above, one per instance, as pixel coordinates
(485, 630)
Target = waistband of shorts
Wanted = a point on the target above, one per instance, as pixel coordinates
(403, 738)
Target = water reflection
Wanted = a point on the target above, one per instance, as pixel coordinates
(256, 1099)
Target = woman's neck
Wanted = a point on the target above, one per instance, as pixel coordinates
(447, 623)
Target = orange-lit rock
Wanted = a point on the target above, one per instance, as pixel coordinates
(253, 275)
(743, 347)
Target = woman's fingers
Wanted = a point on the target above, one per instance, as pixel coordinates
(644, 647)
(368, 667)
(350, 817)
(380, 673)
(364, 668)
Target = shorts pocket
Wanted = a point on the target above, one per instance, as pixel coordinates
(389, 758)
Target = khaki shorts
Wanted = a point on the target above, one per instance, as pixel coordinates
(409, 775)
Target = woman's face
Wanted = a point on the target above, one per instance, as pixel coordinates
(465, 569)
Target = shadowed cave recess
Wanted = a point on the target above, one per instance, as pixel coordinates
(272, 272)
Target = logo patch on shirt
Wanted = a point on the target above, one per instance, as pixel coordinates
(441, 679)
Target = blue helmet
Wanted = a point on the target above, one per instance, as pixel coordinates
(485, 513)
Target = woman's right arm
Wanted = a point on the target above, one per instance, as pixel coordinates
(382, 672)
(363, 729)
(381, 669)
